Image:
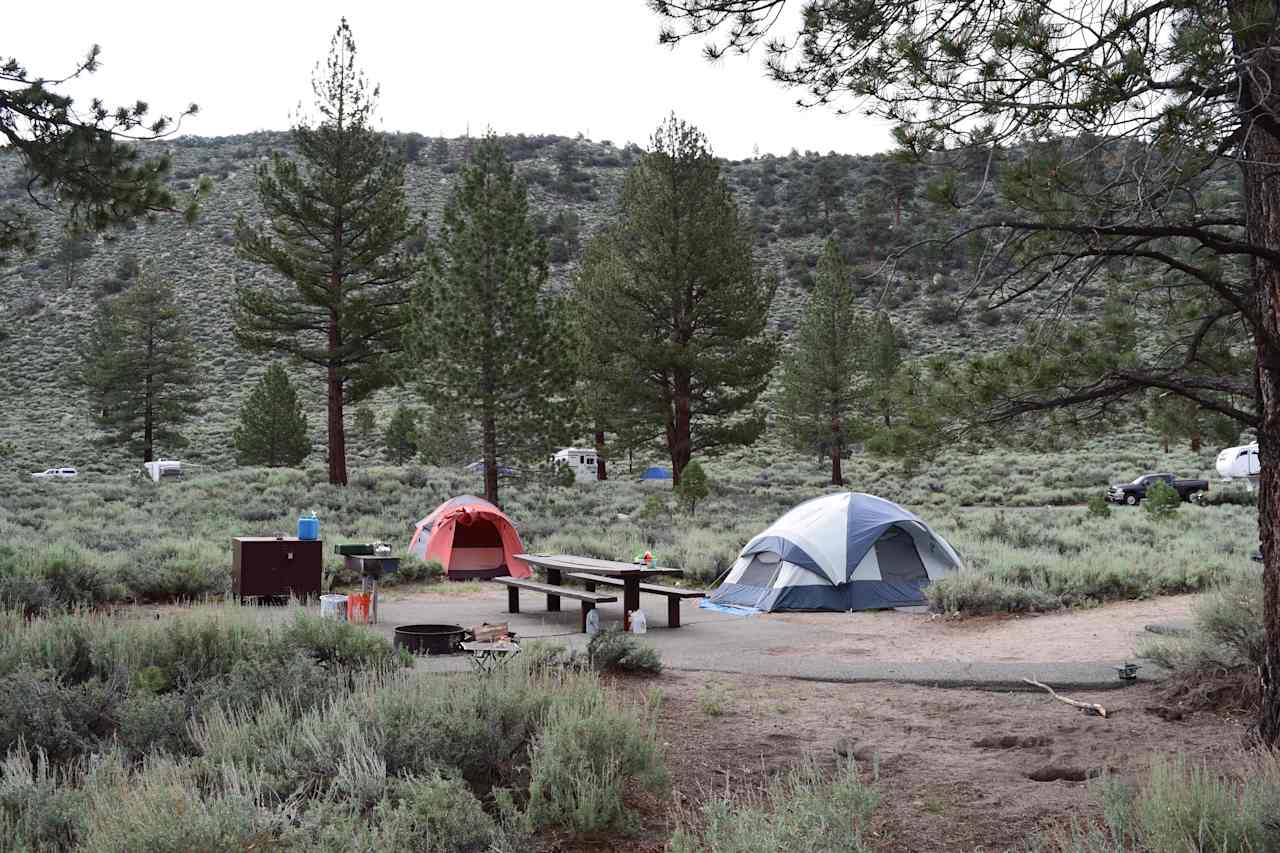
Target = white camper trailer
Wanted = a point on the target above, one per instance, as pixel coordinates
(162, 469)
(581, 461)
(1240, 463)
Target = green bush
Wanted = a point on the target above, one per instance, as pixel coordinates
(1218, 663)
(1184, 808)
(413, 570)
(162, 811)
(693, 486)
(799, 810)
(39, 712)
(39, 809)
(55, 579)
(436, 815)
(1098, 507)
(329, 641)
(76, 681)
(590, 755)
(973, 594)
(613, 650)
(1162, 500)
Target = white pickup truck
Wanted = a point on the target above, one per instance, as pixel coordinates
(55, 474)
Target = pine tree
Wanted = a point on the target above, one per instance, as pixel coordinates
(682, 331)
(401, 437)
(821, 378)
(1049, 118)
(693, 486)
(138, 365)
(601, 270)
(273, 428)
(882, 358)
(446, 437)
(335, 230)
(487, 338)
(82, 159)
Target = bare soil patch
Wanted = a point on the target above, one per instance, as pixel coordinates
(1107, 632)
(957, 770)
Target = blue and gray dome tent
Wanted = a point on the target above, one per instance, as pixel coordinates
(844, 551)
(656, 473)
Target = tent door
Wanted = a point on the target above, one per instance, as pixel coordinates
(899, 561)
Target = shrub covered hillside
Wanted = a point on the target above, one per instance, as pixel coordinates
(110, 537)
(794, 203)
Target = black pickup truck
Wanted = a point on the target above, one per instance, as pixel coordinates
(1133, 493)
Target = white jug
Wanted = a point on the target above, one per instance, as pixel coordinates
(593, 622)
(638, 625)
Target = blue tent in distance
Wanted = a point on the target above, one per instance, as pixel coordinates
(656, 473)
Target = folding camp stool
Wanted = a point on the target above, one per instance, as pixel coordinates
(486, 657)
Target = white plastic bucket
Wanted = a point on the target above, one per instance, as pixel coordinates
(638, 625)
(333, 607)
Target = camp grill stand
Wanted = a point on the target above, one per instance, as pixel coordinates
(361, 558)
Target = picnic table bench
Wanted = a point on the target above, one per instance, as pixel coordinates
(674, 594)
(554, 593)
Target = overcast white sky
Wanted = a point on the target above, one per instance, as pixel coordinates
(531, 66)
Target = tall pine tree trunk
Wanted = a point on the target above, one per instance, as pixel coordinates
(1262, 214)
(489, 429)
(148, 398)
(680, 442)
(337, 430)
(148, 432)
(837, 476)
(602, 472)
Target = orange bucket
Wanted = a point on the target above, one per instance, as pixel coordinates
(358, 608)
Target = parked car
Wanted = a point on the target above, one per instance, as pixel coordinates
(55, 474)
(1133, 493)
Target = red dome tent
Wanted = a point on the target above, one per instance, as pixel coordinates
(471, 538)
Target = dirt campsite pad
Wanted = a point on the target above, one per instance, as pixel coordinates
(1109, 632)
(957, 770)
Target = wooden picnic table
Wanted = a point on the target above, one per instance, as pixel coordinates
(631, 575)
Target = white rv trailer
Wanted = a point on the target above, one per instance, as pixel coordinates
(162, 468)
(1240, 463)
(581, 461)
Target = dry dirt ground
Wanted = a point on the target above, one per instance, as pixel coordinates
(1108, 632)
(957, 770)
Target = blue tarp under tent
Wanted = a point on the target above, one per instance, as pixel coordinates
(844, 551)
(656, 473)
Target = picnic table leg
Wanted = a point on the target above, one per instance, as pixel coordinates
(553, 601)
(673, 612)
(513, 599)
(630, 600)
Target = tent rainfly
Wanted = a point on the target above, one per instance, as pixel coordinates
(656, 472)
(471, 538)
(844, 551)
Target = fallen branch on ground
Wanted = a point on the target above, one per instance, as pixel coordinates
(1087, 707)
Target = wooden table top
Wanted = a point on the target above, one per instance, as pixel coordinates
(609, 568)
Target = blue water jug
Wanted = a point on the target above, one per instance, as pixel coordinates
(309, 527)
